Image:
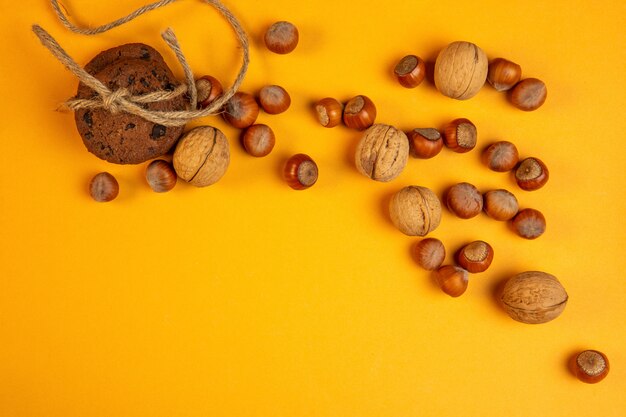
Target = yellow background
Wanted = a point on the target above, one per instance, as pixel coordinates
(250, 299)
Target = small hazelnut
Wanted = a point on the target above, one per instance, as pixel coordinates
(461, 70)
(258, 140)
(425, 143)
(415, 211)
(501, 156)
(503, 74)
(241, 110)
(475, 257)
(202, 156)
(464, 200)
(591, 366)
(531, 174)
(274, 99)
(329, 112)
(452, 280)
(209, 89)
(300, 172)
(533, 297)
(410, 71)
(161, 176)
(528, 94)
(460, 135)
(359, 113)
(429, 253)
(382, 152)
(500, 204)
(282, 37)
(103, 187)
(529, 223)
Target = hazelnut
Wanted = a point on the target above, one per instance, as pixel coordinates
(359, 113)
(209, 89)
(503, 74)
(528, 94)
(103, 187)
(425, 143)
(160, 176)
(241, 110)
(531, 174)
(429, 253)
(475, 257)
(464, 200)
(300, 172)
(274, 99)
(382, 152)
(282, 37)
(410, 71)
(500, 204)
(501, 156)
(529, 223)
(202, 156)
(258, 140)
(591, 366)
(452, 280)
(460, 135)
(460, 70)
(415, 211)
(533, 297)
(329, 112)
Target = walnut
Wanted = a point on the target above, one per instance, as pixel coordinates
(533, 297)
(382, 152)
(415, 211)
(461, 70)
(202, 156)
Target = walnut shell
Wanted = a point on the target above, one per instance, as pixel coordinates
(533, 297)
(461, 70)
(415, 211)
(382, 152)
(202, 156)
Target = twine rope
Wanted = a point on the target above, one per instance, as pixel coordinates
(122, 100)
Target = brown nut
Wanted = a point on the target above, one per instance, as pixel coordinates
(503, 74)
(415, 211)
(259, 140)
(359, 113)
(452, 280)
(425, 143)
(202, 156)
(241, 110)
(300, 172)
(590, 366)
(410, 71)
(382, 152)
(533, 297)
(461, 70)
(460, 135)
(475, 257)
(208, 90)
(274, 99)
(160, 176)
(501, 156)
(282, 37)
(500, 204)
(529, 223)
(103, 187)
(464, 200)
(329, 112)
(429, 253)
(528, 94)
(531, 174)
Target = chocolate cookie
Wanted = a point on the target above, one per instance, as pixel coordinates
(124, 138)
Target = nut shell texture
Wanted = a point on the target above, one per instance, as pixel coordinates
(415, 211)
(461, 70)
(202, 156)
(534, 297)
(382, 152)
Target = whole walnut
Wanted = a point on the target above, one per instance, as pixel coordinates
(461, 70)
(533, 297)
(382, 152)
(415, 211)
(202, 156)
